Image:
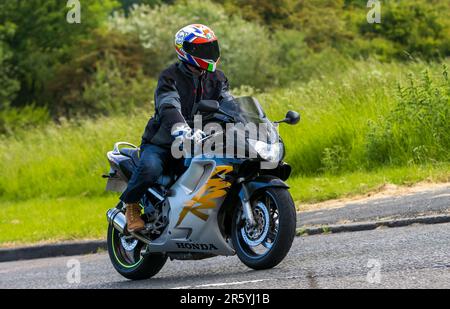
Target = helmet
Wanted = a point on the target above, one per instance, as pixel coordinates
(197, 45)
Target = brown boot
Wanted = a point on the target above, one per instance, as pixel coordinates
(134, 220)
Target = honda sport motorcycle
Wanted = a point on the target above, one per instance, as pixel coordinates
(216, 206)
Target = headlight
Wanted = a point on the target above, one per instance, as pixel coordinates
(268, 152)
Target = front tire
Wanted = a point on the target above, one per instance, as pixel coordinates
(267, 244)
(126, 257)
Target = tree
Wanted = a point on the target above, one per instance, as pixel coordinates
(415, 27)
(128, 4)
(43, 38)
(8, 83)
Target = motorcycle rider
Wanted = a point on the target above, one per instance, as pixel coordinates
(179, 88)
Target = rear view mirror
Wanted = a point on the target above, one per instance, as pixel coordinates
(291, 118)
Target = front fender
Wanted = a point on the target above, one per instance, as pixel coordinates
(261, 182)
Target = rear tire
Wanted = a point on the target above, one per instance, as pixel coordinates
(130, 263)
(279, 246)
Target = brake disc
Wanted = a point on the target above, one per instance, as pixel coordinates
(129, 244)
(254, 236)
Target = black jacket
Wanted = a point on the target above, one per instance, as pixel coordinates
(177, 93)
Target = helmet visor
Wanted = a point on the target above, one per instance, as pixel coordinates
(210, 50)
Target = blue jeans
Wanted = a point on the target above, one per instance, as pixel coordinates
(153, 161)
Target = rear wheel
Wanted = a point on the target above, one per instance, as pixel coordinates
(267, 243)
(126, 254)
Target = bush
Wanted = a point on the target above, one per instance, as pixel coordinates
(13, 120)
(417, 130)
(252, 54)
(332, 137)
(246, 47)
(65, 159)
(292, 56)
(416, 28)
(111, 92)
(108, 61)
(339, 112)
(409, 27)
(43, 39)
(9, 85)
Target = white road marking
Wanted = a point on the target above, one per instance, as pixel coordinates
(442, 195)
(220, 284)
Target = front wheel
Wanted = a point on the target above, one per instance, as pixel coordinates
(126, 254)
(267, 243)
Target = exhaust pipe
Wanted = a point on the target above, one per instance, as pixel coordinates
(117, 219)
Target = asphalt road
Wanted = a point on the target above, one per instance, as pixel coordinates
(410, 257)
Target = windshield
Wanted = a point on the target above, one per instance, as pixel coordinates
(244, 110)
(247, 110)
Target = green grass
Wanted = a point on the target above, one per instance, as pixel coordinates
(64, 160)
(353, 121)
(57, 219)
(325, 187)
(357, 134)
(38, 220)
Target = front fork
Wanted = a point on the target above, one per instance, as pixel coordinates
(247, 207)
(250, 187)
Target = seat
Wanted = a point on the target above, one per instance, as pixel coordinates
(132, 153)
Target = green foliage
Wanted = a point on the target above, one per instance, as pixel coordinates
(292, 56)
(50, 63)
(57, 219)
(341, 130)
(127, 5)
(273, 13)
(111, 92)
(320, 57)
(251, 54)
(13, 120)
(9, 85)
(417, 129)
(415, 28)
(246, 47)
(334, 159)
(418, 28)
(108, 60)
(76, 218)
(60, 164)
(322, 23)
(65, 159)
(42, 39)
(331, 139)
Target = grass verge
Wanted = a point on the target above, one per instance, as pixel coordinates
(51, 220)
(326, 187)
(58, 219)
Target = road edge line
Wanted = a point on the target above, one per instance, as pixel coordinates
(52, 250)
(371, 225)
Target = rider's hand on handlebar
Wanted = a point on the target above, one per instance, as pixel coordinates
(181, 131)
(197, 136)
(185, 132)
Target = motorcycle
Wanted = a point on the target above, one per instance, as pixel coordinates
(218, 206)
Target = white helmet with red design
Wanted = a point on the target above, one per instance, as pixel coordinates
(197, 45)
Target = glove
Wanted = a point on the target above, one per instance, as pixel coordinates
(197, 136)
(185, 132)
(181, 131)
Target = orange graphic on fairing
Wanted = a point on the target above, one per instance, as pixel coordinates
(207, 196)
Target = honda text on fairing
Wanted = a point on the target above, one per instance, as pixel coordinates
(215, 206)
